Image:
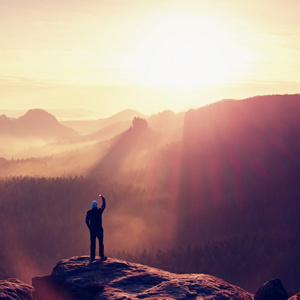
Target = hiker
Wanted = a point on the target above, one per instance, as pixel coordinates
(93, 221)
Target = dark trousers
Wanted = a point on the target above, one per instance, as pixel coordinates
(97, 234)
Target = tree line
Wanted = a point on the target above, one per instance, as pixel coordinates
(247, 261)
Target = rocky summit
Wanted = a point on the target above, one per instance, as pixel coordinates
(79, 278)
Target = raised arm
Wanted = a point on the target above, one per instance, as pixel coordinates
(103, 203)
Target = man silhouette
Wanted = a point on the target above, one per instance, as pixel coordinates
(93, 221)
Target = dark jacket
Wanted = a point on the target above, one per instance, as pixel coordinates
(93, 218)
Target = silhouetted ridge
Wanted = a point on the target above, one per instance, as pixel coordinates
(36, 123)
(95, 126)
(38, 116)
(238, 156)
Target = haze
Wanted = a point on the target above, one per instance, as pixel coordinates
(96, 98)
(199, 192)
(145, 55)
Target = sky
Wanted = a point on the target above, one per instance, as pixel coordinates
(149, 55)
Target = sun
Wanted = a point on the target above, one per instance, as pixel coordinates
(185, 51)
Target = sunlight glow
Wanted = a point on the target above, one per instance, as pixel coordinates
(186, 51)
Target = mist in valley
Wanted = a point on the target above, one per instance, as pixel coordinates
(204, 191)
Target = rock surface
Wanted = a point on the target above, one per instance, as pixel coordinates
(15, 289)
(78, 278)
(295, 297)
(271, 290)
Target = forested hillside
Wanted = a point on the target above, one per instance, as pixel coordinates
(42, 221)
(239, 167)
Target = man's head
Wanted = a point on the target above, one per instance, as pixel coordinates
(94, 203)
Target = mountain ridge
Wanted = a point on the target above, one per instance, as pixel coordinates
(35, 123)
(93, 126)
(234, 172)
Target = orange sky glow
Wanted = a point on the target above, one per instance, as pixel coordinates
(106, 56)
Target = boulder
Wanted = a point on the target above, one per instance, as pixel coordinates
(272, 290)
(79, 278)
(15, 289)
(295, 297)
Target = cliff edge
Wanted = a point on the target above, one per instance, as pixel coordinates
(79, 278)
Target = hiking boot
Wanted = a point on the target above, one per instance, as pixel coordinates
(104, 258)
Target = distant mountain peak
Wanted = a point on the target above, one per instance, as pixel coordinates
(126, 114)
(3, 117)
(36, 123)
(38, 113)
